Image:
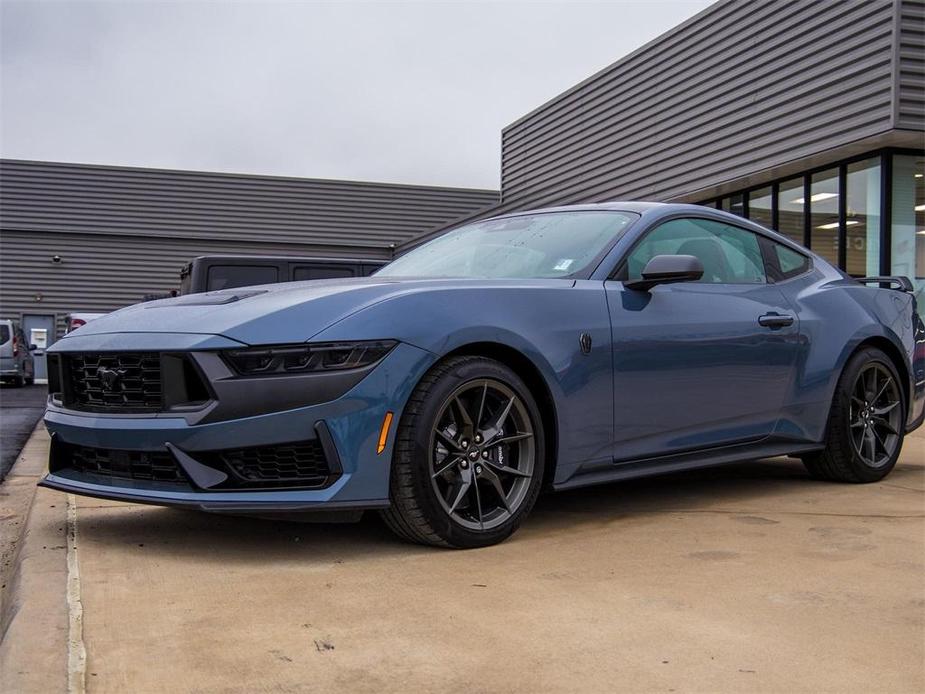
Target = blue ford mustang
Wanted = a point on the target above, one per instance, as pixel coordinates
(558, 348)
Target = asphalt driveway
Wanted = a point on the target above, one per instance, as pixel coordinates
(20, 410)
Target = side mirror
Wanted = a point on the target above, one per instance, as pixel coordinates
(667, 269)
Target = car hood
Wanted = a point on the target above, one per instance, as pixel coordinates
(266, 314)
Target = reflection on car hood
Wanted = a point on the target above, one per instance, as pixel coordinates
(276, 313)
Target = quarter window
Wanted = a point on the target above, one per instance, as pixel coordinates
(790, 263)
(730, 255)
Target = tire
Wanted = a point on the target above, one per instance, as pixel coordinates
(431, 502)
(30, 380)
(17, 381)
(852, 454)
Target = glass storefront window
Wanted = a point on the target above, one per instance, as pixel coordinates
(862, 221)
(908, 217)
(736, 204)
(733, 203)
(855, 190)
(790, 209)
(759, 207)
(823, 211)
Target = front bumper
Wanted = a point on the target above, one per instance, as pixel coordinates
(351, 423)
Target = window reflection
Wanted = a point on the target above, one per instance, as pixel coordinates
(908, 216)
(735, 204)
(823, 211)
(862, 221)
(759, 207)
(790, 209)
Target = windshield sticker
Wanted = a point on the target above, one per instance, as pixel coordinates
(564, 264)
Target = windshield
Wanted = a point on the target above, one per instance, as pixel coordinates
(535, 246)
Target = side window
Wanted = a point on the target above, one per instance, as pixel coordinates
(231, 276)
(790, 263)
(730, 255)
(322, 272)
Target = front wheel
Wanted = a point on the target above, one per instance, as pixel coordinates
(866, 424)
(468, 460)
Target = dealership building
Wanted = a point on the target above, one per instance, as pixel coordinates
(808, 117)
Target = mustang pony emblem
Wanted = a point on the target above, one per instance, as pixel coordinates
(110, 378)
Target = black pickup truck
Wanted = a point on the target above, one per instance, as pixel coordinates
(209, 272)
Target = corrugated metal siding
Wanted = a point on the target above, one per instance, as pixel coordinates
(739, 88)
(910, 102)
(125, 232)
(55, 197)
(100, 273)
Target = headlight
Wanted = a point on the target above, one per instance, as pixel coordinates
(285, 359)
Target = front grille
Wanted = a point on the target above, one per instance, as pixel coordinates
(126, 465)
(127, 382)
(287, 465)
(294, 466)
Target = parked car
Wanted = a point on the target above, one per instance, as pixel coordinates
(76, 320)
(211, 272)
(17, 366)
(558, 348)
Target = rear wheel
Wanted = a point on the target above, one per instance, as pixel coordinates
(468, 460)
(866, 424)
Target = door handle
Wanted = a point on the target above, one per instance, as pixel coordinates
(775, 321)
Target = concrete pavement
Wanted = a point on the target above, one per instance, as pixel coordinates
(744, 578)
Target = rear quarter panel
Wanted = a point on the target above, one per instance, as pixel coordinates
(836, 316)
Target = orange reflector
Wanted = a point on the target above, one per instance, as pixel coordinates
(384, 432)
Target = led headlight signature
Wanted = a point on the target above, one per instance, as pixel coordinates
(274, 360)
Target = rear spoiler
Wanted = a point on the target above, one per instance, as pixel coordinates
(899, 282)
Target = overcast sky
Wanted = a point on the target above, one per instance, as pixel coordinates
(400, 92)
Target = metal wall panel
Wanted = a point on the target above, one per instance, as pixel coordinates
(910, 103)
(55, 197)
(100, 272)
(739, 88)
(123, 233)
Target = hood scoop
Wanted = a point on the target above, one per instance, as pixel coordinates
(209, 299)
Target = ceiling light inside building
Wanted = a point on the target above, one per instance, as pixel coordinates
(816, 197)
(834, 225)
(920, 208)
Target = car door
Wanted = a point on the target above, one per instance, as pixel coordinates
(699, 364)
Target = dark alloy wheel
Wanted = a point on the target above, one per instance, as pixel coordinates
(482, 455)
(468, 460)
(866, 423)
(875, 415)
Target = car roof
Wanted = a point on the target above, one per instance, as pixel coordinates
(639, 207)
(288, 258)
(655, 210)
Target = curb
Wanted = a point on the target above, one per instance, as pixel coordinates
(33, 612)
